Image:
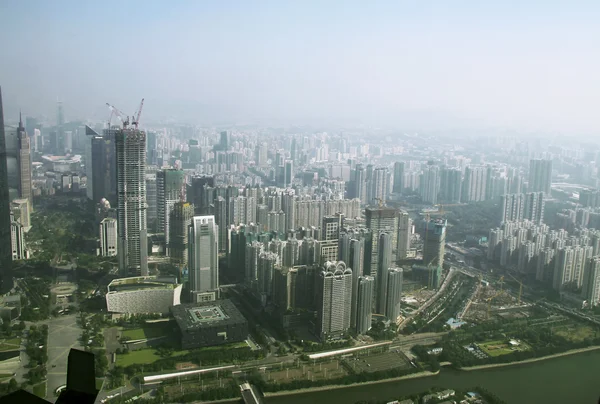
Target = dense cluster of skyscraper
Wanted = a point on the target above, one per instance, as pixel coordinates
(458, 182)
(304, 222)
(565, 261)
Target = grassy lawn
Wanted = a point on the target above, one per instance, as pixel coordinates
(576, 333)
(99, 382)
(499, 348)
(10, 344)
(143, 357)
(40, 389)
(149, 331)
(5, 376)
(135, 333)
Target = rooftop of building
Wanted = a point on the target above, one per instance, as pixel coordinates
(438, 221)
(194, 316)
(141, 282)
(381, 209)
(62, 159)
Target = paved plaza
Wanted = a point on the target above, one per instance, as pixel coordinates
(63, 334)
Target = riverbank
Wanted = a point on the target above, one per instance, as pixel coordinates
(343, 386)
(538, 382)
(542, 358)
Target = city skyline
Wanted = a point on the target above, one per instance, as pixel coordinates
(316, 195)
(526, 67)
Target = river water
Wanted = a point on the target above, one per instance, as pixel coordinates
(573, 379)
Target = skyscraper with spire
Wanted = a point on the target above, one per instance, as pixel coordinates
(5, 229)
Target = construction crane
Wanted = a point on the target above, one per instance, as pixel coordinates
(520, 287)
(136, 122)
(122, 117)
(489, 302)
(112, 112)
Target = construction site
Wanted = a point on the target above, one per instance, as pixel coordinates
(492, 300)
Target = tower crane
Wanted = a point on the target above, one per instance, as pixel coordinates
(520, 287)
(122, 117)
(136, 122)
(489, 302)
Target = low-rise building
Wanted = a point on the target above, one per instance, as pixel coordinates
(143, 294)
(441, 395)
(209, 323)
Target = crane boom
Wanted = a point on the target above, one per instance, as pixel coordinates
(122, 117)
(136, 122)
(520, 286)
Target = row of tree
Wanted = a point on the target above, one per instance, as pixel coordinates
(199, 357)
(37, 352)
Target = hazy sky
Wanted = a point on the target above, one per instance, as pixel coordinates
(516, 64)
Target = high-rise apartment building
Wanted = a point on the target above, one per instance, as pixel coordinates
(267, 263)
(108, 237)
(5, 221)
(394, 294)
(404, 235)
(170, 186)
(131, 206)
(429, 184)
(331, 227)
(381, 219)
(563, 268)
(540, 176)
(384, 263)
(334, 296)
(474, 184)
(591, 282)
(224, 141)
(151, 148)
(511, 208)
(288, 173)
(434, 245)
(379, 185)
(261, 154)
(516, 207)
(152, 198)
(398, 186)
(450, 185)
(253, 250)
(360, 184)
(354, 254)
(534, 207)
(179, 223)
(364, 303)
(203, 259)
